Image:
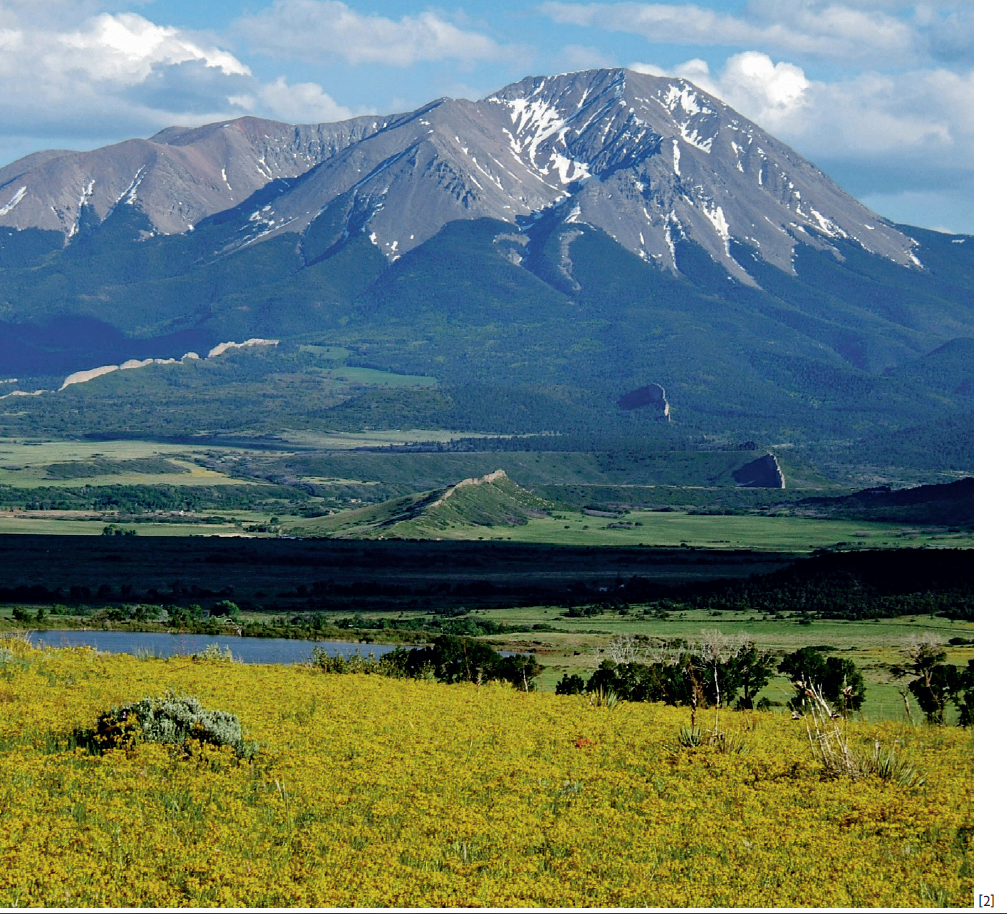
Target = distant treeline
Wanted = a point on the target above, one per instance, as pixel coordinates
(140, 499)
(950, 504)
(851, 585)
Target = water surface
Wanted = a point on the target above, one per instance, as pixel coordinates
(163, 644)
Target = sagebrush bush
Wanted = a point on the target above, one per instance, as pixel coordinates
(213, 651)
(178, 720)
(337, 663)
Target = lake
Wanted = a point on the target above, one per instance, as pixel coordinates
(162, 644)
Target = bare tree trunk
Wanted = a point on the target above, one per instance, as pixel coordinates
(905, 700)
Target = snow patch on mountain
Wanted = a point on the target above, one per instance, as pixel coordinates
(85, 196)
(14, 201)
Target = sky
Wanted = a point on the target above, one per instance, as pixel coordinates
(877, 93)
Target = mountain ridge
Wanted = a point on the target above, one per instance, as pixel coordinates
(588, 145)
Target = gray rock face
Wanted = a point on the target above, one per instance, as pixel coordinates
(653, 162)
(176, 178)
(651, 395)
(763, 473)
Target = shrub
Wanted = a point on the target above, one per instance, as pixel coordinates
(176, 720)
(570, 685)
(337, 663)
(213, 652)
(891, 767)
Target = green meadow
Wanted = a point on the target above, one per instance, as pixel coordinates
(667, 528)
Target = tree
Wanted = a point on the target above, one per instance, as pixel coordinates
(936, 682)
(452, 659)
(225, 608)
(716, 656)
(837, 679)
(844, 684)
(570, 685)
(519, 670)
(606, 679)
(751, 670)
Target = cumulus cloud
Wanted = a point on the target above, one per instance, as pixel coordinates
(125, 47)
(301, 103)
(109, 68)
(119, 74)
(771, 94)
(923, 114)
(331, 29)
(840, 30)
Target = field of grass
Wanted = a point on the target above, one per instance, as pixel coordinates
(639, 528)
(68, 523)
(377, 792)
(667, 528)
(26, 464)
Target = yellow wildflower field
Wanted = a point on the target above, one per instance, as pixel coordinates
(379, 792)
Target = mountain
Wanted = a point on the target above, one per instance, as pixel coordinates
(533, 258)
(176, 178)
(653, 162)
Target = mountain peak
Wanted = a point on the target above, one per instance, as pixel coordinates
(652, 161)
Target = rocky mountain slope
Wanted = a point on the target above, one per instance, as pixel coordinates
(176, 178)
(651, 161)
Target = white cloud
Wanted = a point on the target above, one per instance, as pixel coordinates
(91, 71)
(848, 31)
(126, 47)
(924, 114)
(301, 103)
(114, 75)
(776, 90)
(329, 29)
(770, 94)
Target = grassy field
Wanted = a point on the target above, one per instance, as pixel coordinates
(377, 792)
(68, 523)
(27, 464)
(670, 528)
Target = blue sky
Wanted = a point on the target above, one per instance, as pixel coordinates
(878, 93)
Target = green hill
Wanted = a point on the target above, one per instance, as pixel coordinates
(493, 500)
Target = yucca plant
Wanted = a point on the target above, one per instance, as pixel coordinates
(603, 698)
(892, 767)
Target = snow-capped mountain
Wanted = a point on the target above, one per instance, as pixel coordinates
(533, 258)
(651, 161)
